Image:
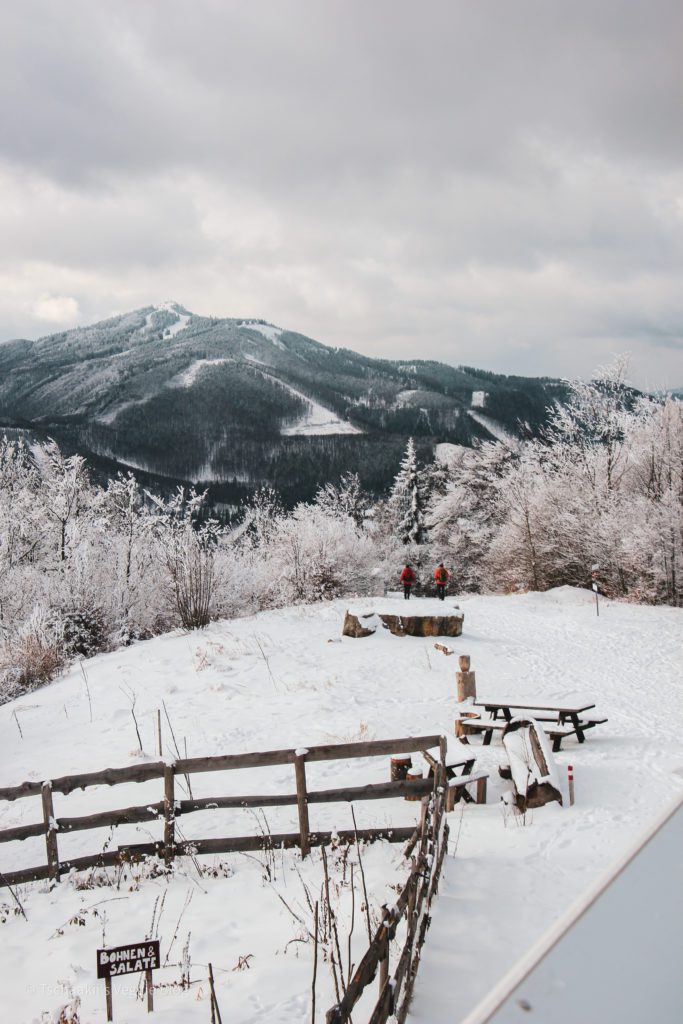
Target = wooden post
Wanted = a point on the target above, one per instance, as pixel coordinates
(159, 731)
(413, 775)
(169, 812)
(466, 681)
(443, 753)
(481, 791)
(302, 801)
(450, 799)
(150, 991)
(50, 831)
(399, 768)
(110, 1001)
(384, 964)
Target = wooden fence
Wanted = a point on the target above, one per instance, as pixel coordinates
(169, 808)
(414, 903)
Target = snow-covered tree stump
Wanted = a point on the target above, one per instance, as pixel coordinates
(420, 622)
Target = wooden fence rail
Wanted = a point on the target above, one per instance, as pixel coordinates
(413, 904)
(170, 808)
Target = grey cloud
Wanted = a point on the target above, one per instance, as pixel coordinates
(495, 181)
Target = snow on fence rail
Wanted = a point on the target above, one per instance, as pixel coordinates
(169, 808)
(413, 904)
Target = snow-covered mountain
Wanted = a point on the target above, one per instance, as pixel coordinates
(244, 401)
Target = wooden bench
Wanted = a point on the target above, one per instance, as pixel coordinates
(556, 732)
(457, 788)
(458, 781)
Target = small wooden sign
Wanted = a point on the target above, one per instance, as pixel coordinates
(119, 960)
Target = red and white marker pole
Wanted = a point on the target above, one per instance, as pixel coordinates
(570, 780)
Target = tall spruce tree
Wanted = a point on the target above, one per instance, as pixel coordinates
(407, 499)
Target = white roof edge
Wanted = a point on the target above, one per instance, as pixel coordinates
(523, 968)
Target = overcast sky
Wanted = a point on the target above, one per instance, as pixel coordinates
(490, 182)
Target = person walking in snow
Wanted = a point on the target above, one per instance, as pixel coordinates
(441, 576)
(407, 579)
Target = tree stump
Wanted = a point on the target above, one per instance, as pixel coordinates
(466, 681)
(399, 768)
(414, 774)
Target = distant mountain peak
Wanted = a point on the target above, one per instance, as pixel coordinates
(172, 307)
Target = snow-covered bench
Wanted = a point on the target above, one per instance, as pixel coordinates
(558, 721)
(489, 726)
(458, 780)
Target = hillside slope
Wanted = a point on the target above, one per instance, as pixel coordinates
(274, 681)
(243, 401)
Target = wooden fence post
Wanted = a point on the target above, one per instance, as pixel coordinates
(302, 801)
(169, 812)
(384, 962)
(50, 831)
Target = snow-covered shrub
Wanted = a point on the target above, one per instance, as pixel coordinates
(84, 632)
(187, 549)
(31, 656)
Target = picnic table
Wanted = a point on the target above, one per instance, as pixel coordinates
(563, 719)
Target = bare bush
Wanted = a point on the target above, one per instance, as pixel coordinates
(32, 656)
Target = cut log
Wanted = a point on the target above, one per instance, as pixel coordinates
(403, 625)
(399, 768)
(444, 649)
(359, 625)
(532, 767)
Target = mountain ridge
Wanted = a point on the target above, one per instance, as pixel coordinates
(241, 400)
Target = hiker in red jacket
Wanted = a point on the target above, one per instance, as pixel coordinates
(407, 579)
(441, 576)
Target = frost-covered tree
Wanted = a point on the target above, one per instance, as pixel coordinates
(406, 503)
(462, 520)
(596, 419)
(187, 549)
(64, 492)
(347, 498)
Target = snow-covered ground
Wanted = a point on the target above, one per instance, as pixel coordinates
(187, 377)
(276, 680)
(317, 419)
(269, 331)
(495, 429)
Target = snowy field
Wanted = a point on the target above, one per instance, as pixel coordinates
(276, 680)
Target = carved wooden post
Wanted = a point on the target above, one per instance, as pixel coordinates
(50, 831)
(465, 680)
(169, 812)
(302, 801)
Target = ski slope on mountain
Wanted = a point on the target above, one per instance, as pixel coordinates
(287, 678)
